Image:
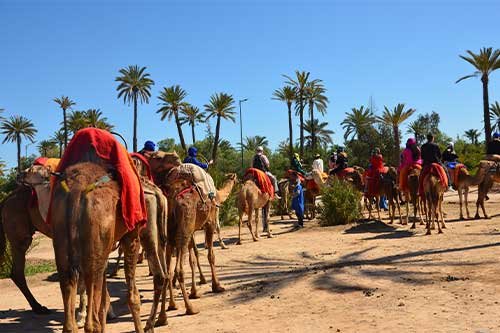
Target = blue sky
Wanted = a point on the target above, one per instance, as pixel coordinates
(395, 51)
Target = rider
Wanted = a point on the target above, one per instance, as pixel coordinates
(332, 161)
(376, 168)
(318, 164)
(493, 148)
(409, 157)
(297, 165)
(192, 158)
(449, 154)
(341, 162)
(432, 154)
(261, 162)
(149, 147)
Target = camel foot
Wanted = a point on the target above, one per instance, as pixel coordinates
(194, 296)
(428, 232)
(238, 242)
(256, 239)
(171, 307)
(270, 235)
(111, 313)
(149, 328)
(413, 226)
(162, 320)
(477, 217)
(461, 217)
(218, 288)
(191, 311)
(421, 223)
(203, 280)
(440, 231)
(41, 310)
(223, 246)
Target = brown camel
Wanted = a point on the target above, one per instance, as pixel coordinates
(387, 188)
(87, 221)
(250, 200)
(284, 186)
(491, 171)
(411, 195)
(433, 202)
(463, 181)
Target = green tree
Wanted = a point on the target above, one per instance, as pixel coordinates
(315, 98)
(58, 138)
(252, 142)
(317, 130)
(135, 85)
(220, 106)
(418, 130)
(495, 116)
(2, 167)
(487, 61)
(65, 103)
(76, 121)
(192, 116)
(356, 122)
(395, 118)
(299, 85)
(473, 136)
(16, 128)
(96, 119)
(47, 148)
(287, 95)
(172, 102)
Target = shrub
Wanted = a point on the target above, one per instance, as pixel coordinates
(228, 211)
(340, 204)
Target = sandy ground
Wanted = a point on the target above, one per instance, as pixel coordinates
(368, 277)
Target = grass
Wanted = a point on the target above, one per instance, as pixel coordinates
(33, 266)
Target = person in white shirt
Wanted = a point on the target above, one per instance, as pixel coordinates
(318, 163)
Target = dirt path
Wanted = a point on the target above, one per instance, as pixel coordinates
(368, 277)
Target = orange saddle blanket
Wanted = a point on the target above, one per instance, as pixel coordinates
(261, 179)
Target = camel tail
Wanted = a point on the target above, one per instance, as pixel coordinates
(73, 218)
(3, 240)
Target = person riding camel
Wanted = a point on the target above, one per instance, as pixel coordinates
(449, 154)
(431, 154)
(493, 148)
(193, 158)
(261, 162)
(318, 164)
(332, 160)
(341, 162)
(374, 171)
(297, 165)
(410, 157)
(149, 147)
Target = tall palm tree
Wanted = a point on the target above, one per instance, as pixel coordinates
(473, 136)
(357, 121)
(172, 102)
(394, 118)
(220, 106)
(65, 103)
(252, 142)
(58, 138)
(135, 85)
(46, 147)
(495, 116)
(192, 116)
(487, 61)
(319, 131)
(16, 128)
(299, 85)
(417, 129)
(315, 98)
(96, 119)
(287, 95)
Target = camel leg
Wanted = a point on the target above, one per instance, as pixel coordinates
(217, 229)
(443, 225)
(460, 189)
(466, 197)
(162, 317)
(398, 206)
(197, 256)
(81, 312)
(192, 258)
(407, 204)
(131, 252)
(216, 286)
(179, 270)
(428, 213)
(257, 216)
(239, 228)
(250, 217)
(265, 213)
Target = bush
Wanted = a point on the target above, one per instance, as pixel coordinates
(340, 204)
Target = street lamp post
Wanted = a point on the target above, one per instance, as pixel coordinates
(241, 132)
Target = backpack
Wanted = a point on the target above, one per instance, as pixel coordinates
(258, 163)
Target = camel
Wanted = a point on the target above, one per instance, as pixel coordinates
(411, 195)
(387, 188)
(433, 202)
(87, 221)
(462, 181)
(250, 200)
(188, 210)
(284, 186)
(491, 171)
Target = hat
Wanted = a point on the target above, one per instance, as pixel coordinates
(496, 135)
(411, 141)
(259, 149)
(192, 151)
(317, 156)
(297, 156)
(149, 146)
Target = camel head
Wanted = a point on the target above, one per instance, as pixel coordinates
(231, 177)
(35, 175)
(160, 161)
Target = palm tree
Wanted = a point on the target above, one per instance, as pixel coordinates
(287, 95)
(192, 116)
(65, 103)
(221, 106)
(357, 121)
(417, 129)
(172, 103)
(14, 130)
(135, 85)
(315, 98)
(58, 138)
(96, 119)
(252, 142)
(299, 85)
(2, 168)
(46, 147)
(394, 119)
(487, 61)
(495, 116)
(76, 121)
(319, 131)
(473, 136)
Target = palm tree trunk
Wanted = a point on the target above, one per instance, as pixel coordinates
(65, 129)
(301, 113)
(216, 139)
(486, 110)
(179, 130)
(18, 141)
(313, 130)
(60, 150)
(290, 131)
(134, 140)
(192, 133)
(397, 143)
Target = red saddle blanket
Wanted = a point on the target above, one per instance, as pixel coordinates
(110, 150)
(342, 174)
(292, 174)
(261, 180)
(433, 169)
(372, 179)
(456, 172)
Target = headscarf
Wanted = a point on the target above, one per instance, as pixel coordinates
(192, 151)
